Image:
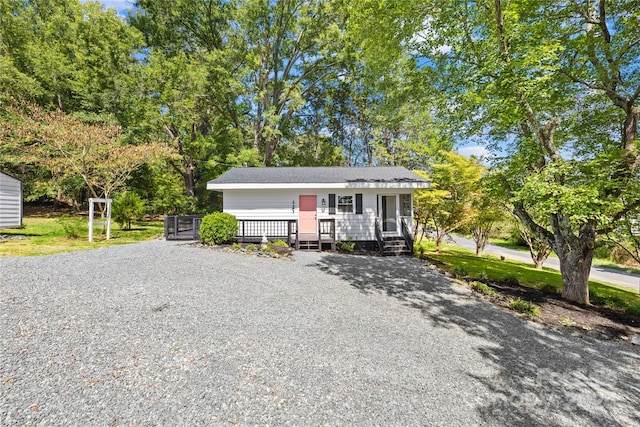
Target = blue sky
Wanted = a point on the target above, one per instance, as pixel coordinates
(120, 5)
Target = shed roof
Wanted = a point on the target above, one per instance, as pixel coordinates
(318, 177)
(10, 176)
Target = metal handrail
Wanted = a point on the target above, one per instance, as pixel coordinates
(379, 237)
(406, 233)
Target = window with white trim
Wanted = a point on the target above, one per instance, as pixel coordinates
(405, 204)
(345, 204)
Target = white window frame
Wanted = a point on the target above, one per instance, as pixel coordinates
(340, 207)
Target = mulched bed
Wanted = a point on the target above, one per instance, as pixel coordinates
(275, 252)
(592, 321)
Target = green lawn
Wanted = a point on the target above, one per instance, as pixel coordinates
(45, 236)
(600, 262)
(463, 262)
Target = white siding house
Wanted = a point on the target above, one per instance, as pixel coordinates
(352, 200)
(10, 201)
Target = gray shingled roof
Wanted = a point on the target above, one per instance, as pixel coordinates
(328, 175)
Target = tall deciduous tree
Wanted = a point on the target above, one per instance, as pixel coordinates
(292, 46)
(70, 147)
(486, 213)
(447, 205)
(188, 85)
(65, 54)
(555, 86)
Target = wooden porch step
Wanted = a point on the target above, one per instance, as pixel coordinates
(309, 245)
(395, 246)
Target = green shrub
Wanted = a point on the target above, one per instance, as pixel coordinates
(484, 289)
(524, 307)
(218, 228)
(279, 243)
(515, 238)
(602, 251)
(70, 226)
(459, 271)
(251, 248)
(236, 246)
(346, 246)
(567, 322)
(127, 208)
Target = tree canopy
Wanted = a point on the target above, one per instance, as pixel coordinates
(550, 88)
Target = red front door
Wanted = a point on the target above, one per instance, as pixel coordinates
(308, 214)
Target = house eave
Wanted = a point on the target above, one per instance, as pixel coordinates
(319, 185)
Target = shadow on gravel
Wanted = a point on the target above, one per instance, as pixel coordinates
(545, 377)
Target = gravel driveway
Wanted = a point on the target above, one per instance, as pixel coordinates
(162, 334)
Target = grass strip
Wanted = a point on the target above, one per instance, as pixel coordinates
(462, 262)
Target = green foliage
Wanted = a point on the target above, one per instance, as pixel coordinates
(484, 289)
(126, 209)
(459, 271)
(348, 246)
(498, 270)
(447, 205)
(550, 86)
(567, 322)
(72, 226)
(279, 243)
(251, 247)
(218, 228)
(236, 246)
(524, 307)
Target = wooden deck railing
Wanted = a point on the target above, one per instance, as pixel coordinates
(252, 230)
(327, 232)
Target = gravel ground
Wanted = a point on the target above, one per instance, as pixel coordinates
(162, 334)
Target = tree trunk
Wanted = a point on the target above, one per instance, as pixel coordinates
(575, 254)
(270, 147)
(480, 235)
(575, 268)
(189, 184)
(541, 254)
(439, 238)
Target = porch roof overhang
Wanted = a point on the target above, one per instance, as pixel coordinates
(318, 178)
(319, 185)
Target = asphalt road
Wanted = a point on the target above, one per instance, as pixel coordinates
(608, 275)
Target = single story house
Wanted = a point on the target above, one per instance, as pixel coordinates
(10, 201)
(312, 206)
